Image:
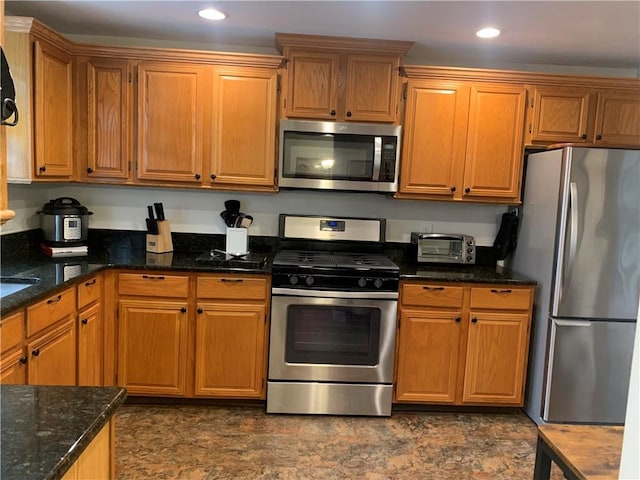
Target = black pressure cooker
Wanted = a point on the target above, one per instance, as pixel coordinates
(65, 222)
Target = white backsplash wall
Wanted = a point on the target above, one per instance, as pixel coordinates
(196, 211)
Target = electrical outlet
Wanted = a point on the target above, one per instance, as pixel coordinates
(427, 228)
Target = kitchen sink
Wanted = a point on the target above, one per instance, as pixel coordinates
(11, 285)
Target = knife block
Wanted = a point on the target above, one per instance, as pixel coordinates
(162, 242)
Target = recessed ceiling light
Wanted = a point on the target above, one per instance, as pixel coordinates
(212, 14)
(488, 32)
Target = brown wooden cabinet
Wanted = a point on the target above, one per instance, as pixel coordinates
(97, 460)
(152, 334)
(342, 79)
(243, 128)
(462, 140)
(90, 351)
(586, 114)
(231, 336)
(52, 355)
(462, 345)
(40, 147)
(13, 360)
(106, 154)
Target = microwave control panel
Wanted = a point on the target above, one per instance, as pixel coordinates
(388, 161)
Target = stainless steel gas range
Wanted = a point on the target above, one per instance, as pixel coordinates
(333, 318)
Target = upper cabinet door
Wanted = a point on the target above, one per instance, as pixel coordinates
(372, 88)
(312, 90)
(243, 128)
(434, 137)
(561, 114)
(171, 117)
(53, 105)
(108, 126)
(494, 142)
(618, 118)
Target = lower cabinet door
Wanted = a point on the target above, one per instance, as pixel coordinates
(496, 361)
(230, 350)
(152, 347)
(428, 352)
(90, 346)
(13, 369)
(52, 356)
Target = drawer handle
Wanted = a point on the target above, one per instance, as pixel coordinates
(55, 300)
(36, 352)
(494, 290)
(432, 288)
(153, 277)
(474, 320)
(84, 321)
(92, 282)
(232, 280)
(23, 360)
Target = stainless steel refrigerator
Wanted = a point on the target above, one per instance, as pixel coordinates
(580, 239)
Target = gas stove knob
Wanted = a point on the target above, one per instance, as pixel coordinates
(469, 250)
(293, 279)
(362, 282)
(469, 258)
(377, 283)
(309, 280)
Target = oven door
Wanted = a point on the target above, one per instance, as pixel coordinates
(326, 336)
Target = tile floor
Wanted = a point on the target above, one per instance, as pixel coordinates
(214, 442)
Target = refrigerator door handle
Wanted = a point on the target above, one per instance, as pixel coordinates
(572, 323)
(573, 238)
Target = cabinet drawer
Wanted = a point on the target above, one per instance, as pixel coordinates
(47, 312)
(506, 298)
(89, 291)
(431, 295)
(232, 287)
(154, 285)
(11, 331)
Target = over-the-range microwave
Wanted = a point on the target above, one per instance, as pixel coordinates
(339, 156)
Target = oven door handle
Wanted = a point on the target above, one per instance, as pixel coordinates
(296, 292)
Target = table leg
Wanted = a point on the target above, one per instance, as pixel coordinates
(542, 470)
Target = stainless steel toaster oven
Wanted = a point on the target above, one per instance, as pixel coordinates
(444, 248)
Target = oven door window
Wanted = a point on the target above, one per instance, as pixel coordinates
(328, 156)
(340, 335)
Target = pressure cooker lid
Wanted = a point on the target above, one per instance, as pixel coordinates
(65, 206)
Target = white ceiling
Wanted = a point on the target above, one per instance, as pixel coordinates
(569, 33)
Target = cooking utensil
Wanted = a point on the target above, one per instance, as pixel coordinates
(232, 206)
(159, 211)
(65, 222)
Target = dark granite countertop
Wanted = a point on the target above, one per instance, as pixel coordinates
(125, 250)
(45, 428)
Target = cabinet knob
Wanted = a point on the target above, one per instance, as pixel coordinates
(598, 137)
(213, 176)
(89, 170)
(584, 136)
(35, 352)
(84, 321)
(467, 190)
(458, 319)
(348, 114)
(183, 309)
(197, 175)
(43, 168)
(199, 310)
(474, 320)
(453, 189)
(333, 113)
(23, 360)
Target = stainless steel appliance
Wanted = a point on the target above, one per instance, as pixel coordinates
(446, 248)
(339, 156)
(65, 222)
(580, 239)
(333, 318)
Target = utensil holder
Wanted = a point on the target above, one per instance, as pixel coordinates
(162, 242)
(237, 240)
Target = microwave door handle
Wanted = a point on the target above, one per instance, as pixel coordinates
(377, 158)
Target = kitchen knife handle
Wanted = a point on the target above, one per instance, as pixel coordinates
(150, 211)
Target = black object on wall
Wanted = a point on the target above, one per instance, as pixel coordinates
(507, 238)
(8, 94)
